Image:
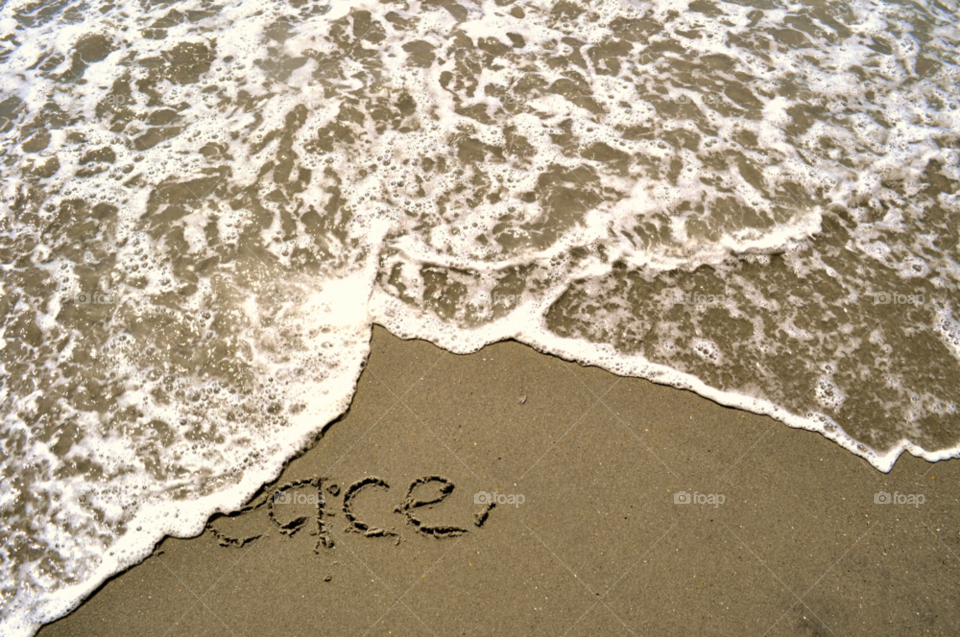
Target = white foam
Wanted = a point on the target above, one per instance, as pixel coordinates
(403, 219)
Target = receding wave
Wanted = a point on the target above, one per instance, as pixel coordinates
(206, 206)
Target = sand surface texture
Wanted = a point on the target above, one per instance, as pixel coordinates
(625, 508)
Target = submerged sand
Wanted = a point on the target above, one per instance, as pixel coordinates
(782, 535)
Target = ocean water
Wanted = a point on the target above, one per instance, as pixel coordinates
(206, 205)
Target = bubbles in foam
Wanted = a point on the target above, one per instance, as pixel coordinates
(828, 394)
(555, 193)
(707, 350)
(948, 328)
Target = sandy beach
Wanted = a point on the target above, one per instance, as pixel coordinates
(622, 508)
(251, 252)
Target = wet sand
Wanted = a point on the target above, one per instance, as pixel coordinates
(782, 534)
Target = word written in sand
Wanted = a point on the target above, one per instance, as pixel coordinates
(316, 491)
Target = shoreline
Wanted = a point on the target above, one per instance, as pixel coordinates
(644, 509)
(575, 351)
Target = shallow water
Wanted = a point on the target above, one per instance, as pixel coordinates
(206, 206)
